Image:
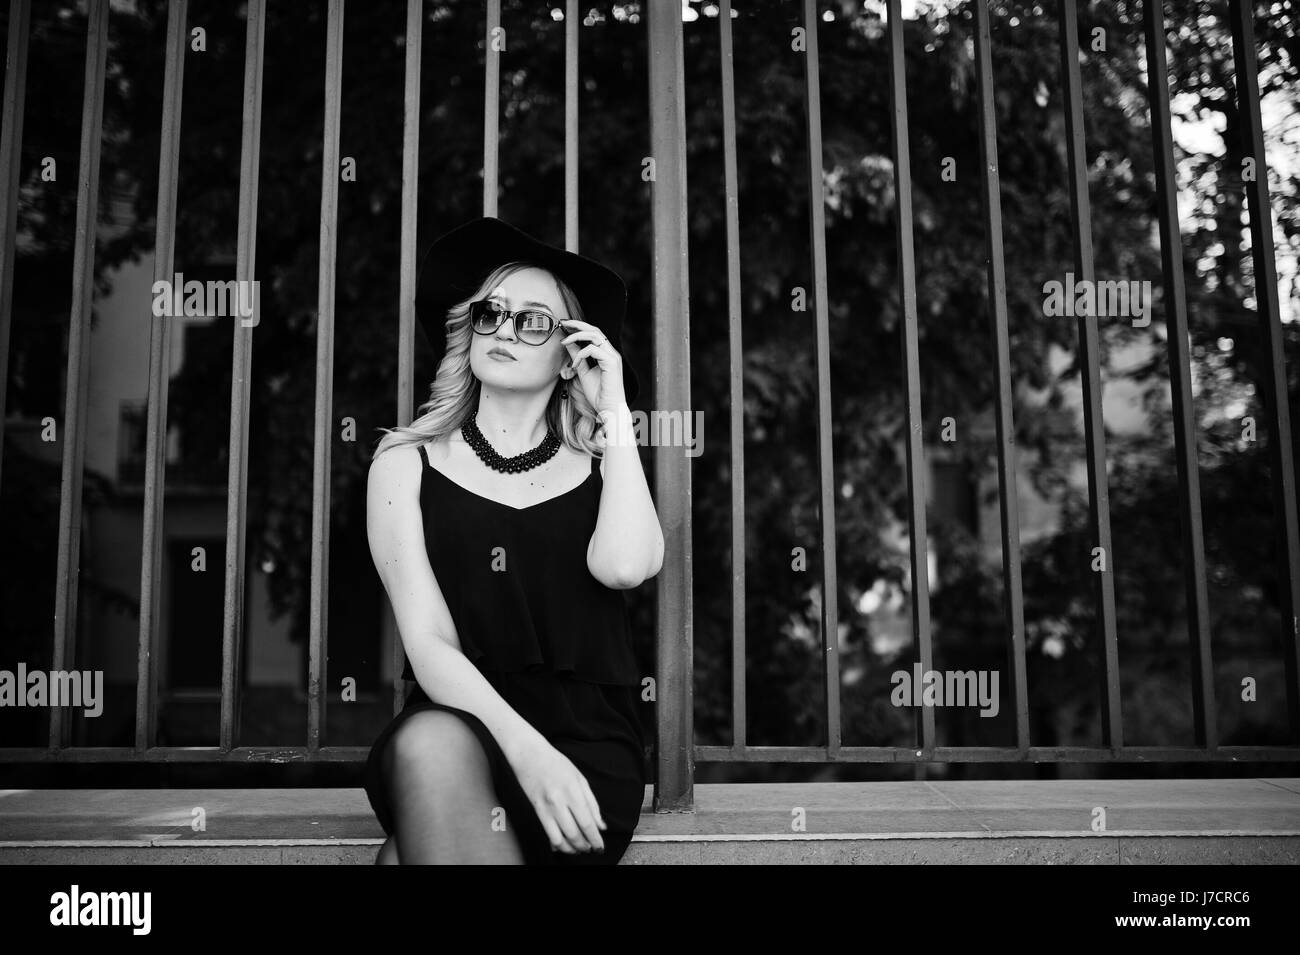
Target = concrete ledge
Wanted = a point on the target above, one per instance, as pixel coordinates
(1019, 850)
(1239, 821)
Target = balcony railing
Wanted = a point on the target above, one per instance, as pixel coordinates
(676, 750)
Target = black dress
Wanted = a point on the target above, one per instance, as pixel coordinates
(551, 640)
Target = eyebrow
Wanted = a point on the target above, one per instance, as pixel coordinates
(524, 304)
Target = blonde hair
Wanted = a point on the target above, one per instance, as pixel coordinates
(454, 391)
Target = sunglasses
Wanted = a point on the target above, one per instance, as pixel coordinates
(532, 327)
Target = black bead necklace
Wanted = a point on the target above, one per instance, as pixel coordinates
(520, 462)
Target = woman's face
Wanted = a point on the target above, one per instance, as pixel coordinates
(522, 367)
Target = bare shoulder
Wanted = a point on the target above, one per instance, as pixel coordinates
(397, 468)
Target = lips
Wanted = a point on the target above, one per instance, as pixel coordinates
(501, 353)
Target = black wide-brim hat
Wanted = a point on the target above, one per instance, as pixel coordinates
(458, 261)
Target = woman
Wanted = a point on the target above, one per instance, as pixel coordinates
(505, 523)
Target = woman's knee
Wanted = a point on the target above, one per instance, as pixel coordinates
(436, 742)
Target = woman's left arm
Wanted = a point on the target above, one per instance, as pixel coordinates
(627, 546)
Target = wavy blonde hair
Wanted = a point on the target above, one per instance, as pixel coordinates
(454, 391)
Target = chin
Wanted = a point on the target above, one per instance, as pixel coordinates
(503, 376)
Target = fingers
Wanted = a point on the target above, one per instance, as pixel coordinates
(572, 830)
(584, 331)
(574, 824)
(586, 820)
(558, 841)
(567, 808)
(586, 812)
(598, 343)
(587, 350)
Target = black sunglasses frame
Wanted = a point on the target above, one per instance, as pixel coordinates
(476, 308)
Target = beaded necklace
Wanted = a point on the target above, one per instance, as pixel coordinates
(520, 462)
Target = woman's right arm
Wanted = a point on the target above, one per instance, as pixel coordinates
(395, 528)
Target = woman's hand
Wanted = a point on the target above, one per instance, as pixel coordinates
(604, 383)
(561, 797)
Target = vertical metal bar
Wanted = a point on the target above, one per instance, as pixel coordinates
(1268, 309)
(491, 97)
(1013, 600)
(155, 460)
(825, 457)
(571, 159)
(74, 426)
(674, 790)
(1089, 343)
(11, 146)
(911, 361)
(407, 276)
(320, 499)
(241, 382)
(1180, 381)
(736, 382)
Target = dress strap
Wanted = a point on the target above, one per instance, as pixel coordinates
(595, 463)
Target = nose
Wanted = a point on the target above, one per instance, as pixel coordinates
(502, 327)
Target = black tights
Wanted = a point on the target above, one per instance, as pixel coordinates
(445, 809)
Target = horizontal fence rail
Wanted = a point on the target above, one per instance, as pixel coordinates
(702, 754)
(677, 753)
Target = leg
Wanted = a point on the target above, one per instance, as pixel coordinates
(387, 853)
(445, 809)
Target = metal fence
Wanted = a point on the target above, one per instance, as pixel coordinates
(676, 750)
